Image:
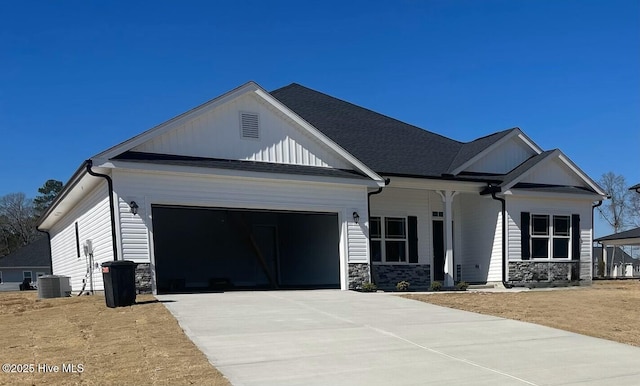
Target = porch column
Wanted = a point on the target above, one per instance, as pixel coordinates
(449, 269)
(605, 270)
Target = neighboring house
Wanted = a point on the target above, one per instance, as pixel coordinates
(297, 189)
(29, 262)
(626, 238)
(616, 258)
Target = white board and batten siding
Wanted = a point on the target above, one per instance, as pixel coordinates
(554, 172)
(478, 237)
(216, 133)
(93, 217)
(555, 206)
(167, 188)
(503, 158)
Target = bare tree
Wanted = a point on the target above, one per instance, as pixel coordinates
(635, 209)
(17, 220)
(615, 210)
(621, 210)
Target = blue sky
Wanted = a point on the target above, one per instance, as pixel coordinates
(77, 77)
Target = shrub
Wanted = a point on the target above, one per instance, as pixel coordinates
(369, 287)
(462, 285)
(436, 286)
(403, 286)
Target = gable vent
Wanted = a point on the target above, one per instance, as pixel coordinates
(249, 125)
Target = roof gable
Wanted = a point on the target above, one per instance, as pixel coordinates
(213, 130)
(216, 134)
(551, 168)
(498, 153)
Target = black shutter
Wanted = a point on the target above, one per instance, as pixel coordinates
(525, 235)
(413, 239)
(575, 237)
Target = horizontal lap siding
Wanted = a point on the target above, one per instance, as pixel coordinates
(93, 217)
(548, 206)
(478, 226)
(229, 192)
(410, 202)
(133, 230)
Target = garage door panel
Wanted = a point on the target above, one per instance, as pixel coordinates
(204, 248)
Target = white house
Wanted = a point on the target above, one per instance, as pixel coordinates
(297, 189)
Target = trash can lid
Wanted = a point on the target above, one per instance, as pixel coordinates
(118, 263)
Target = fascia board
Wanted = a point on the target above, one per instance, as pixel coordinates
(320, 136)
(616, 242)
(550, 195)
(79, 174)
(177, 169)
(546, 160)
(176, 121)
(516, 132)
(557, 154)
(571, 165)
(436, 184)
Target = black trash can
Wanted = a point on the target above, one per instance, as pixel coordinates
(119, 283)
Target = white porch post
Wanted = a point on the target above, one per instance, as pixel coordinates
(605, 271)
(449, 269)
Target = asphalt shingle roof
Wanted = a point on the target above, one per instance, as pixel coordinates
(475, 147)
(386, 145)
(35, 254)
(630, 234)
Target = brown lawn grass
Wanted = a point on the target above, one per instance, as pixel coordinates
(138, 345)
(607, 309)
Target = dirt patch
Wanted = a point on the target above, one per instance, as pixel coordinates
(138, 345)
(607, 309)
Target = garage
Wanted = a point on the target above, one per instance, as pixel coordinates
(213, 249)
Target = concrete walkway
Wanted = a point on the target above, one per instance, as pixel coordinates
(332, 337)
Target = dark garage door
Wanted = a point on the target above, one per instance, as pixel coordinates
(200, 249)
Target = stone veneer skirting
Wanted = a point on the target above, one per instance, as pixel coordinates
(358, 275)
(549, 272)
(143, 278)
(388, 275)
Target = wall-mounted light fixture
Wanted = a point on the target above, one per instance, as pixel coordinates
(356, 217)
(134, 207)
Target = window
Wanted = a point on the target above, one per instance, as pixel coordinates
(77, 240)
(550, 236)
(26, 275)
(388, 238)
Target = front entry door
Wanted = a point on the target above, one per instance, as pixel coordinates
(438, 251)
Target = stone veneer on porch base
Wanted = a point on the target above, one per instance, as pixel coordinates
(143, 278)
(551, 272)
(388, 275)
(358, 275)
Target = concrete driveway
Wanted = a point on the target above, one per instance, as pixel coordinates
(332, 337)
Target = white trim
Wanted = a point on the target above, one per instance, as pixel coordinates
(550, 236)
(557, 154)
(242, 174)
(176, 121)
(233, 94)
(383, 239)
(320, 136)
(515, 132)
